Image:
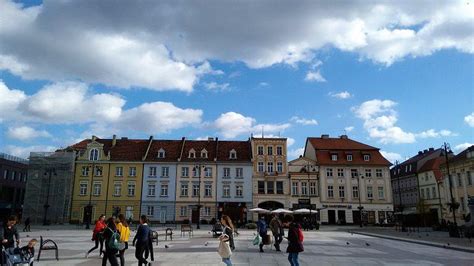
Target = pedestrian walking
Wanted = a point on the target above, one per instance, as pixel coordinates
(227, 237)
(112, 242)
(276, 227)
(295, 240)
(262, 231)
(142, 239)
(27, 225)
(97, 236)
(124, 230)
(9, 236)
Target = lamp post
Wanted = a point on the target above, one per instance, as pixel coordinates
(199, 167)
(453, 232)
(49, 172)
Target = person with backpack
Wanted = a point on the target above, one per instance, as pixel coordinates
(295, 240)
(262, 231)
(112, 243)
(124, 231)
(142, 238)
(97, 235)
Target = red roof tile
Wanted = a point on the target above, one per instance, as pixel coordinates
(433, 165)
(243, 149)
(172, 150)
(338, 144)
(198, 146)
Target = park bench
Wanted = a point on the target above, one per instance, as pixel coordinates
(186, 228)
(47, 244)
(168, 232)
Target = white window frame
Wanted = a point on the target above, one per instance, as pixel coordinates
(304, 188)
(83, 187)
(164, 190)
(233, 155)
(152, 171)
(151, 190)
(381, 192)
(342, 192)
(355, 192)
(207, 190)
(196, 188)
(131, 189)
(280, 167)
(184, 190)
(294, 188)
(119, 190)
(165, 171)
(329, 172)
(340, 172)
(94, 155)
(349, 157)
(261, 167)
(333, 157)
(132, 171)
(279, 150)
(269, 167)
(239, 191)
(84, 171)
(208, 172)
(370, 192)
(119, 171)
(183, 211)
(239, 172)
(378, 172)
(312, 188)
(226, 172)
(161, 154)
(270, 150)
(150, 211)
(226, 191)
(185, 171)
(366, 157)
(330, 192)
(260, 150)
(97, 188)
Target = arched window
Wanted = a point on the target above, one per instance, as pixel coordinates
(94, 155)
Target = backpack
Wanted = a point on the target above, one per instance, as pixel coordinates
(262, 228)
(114, 240)
(300, 235)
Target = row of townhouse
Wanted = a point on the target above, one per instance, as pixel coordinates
(177, 180)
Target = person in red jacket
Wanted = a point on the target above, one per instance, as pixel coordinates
(97, 235)
(295, 240)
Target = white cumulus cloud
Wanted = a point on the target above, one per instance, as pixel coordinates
(340, 95)
(462, 146)
(304, 121)
(469, 119)
(391, 156)
(26, 133)
(314, 76)
(232, 124)
(295, 153)
(213, 86)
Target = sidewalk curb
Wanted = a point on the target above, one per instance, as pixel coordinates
(426, 243)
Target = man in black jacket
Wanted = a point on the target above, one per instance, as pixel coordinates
(142, 238)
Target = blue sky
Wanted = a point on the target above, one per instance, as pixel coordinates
(395, 76)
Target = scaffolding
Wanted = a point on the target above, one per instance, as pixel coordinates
(49, 187)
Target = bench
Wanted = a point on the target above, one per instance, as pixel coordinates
(186, 228)
(47, 244)
(168, 232)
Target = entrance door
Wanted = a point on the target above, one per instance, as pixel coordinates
(195, 216)
(87, 215)
(341, 217)
(129, 212)
(331, 216)
(371, 217)
(163, 215)
(356, 217)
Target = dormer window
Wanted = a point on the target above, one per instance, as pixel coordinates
(204, 153)
(333, 157)
(366, 157)
(94, 155)
(192, 154)
(349, 157)
(161, 153)
(233, 154)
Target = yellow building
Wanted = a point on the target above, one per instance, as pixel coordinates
(108, 178)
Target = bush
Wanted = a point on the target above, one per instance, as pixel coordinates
(251, 226)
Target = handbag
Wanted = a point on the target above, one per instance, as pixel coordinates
(224, 250)
(257, 240)
(121, 245)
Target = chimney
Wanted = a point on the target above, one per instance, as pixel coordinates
(114, 140)
(93, 138)
(124, 138)
(420, 152)
(325, 136)
(343, 136)
(425, 151)
(431, 149)
(210, 139)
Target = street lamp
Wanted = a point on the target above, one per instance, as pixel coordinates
(199, 167)
(453, 232)
(49, 172)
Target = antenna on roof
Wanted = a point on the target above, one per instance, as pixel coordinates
(262, 133)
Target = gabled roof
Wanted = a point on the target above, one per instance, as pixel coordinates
(433, 165)
(172, 150)
(198, 146)
(242, 148)
(338, 144)
(462, 155)
(124, 149)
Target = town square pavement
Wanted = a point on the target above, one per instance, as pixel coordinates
(329, 246)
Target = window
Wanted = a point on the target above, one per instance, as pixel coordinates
(84, 172)
(150, 210)
(119, 171)
(196, 171)
(279, 150)
(409, 169)
(270, 150)
(207, 190)
(368, 172)
(226, 191)
(226, 172)
(333, 157)
(342, 192)
(294, 188)
(349, 157)
(192, 154)
(83, 188)
(233, 154)
(330, 192)
(381, 193)
(378, 172)
(279, 167)
(260, 150)
(204, 153)
(366, 157)
(13, 175)
(270, 187)
(354, 173)
(260, 167)
(329, 172)
(152, 171)
(208, 172)
(279, 185)
(370, 194)
(312, 188)
(183, 211)
(117, 189)
(151, 190)
(161, 153)
(469, 178)
(304, 188)
(459, 180)
(184, 190)
(428, 194)
(340, 172)
(5, 174)
(97, 188)
(355, 191)
(131, 189)
(239, 191)
(164, 190)
(426, 176)
(94, 155)
(433, 190)
(196, 190)
(270, 167)
(132, 171)
(261, 187)
(185, 171)
(239, 172)
(207, 211)
(98, 171)
(165, 171)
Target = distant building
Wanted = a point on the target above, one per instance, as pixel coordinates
(352, 174)
(49, 187)
(304, 184)
(432, 200)
(13, 171)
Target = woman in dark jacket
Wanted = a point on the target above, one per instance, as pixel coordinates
(295, 245)
(110, 253)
